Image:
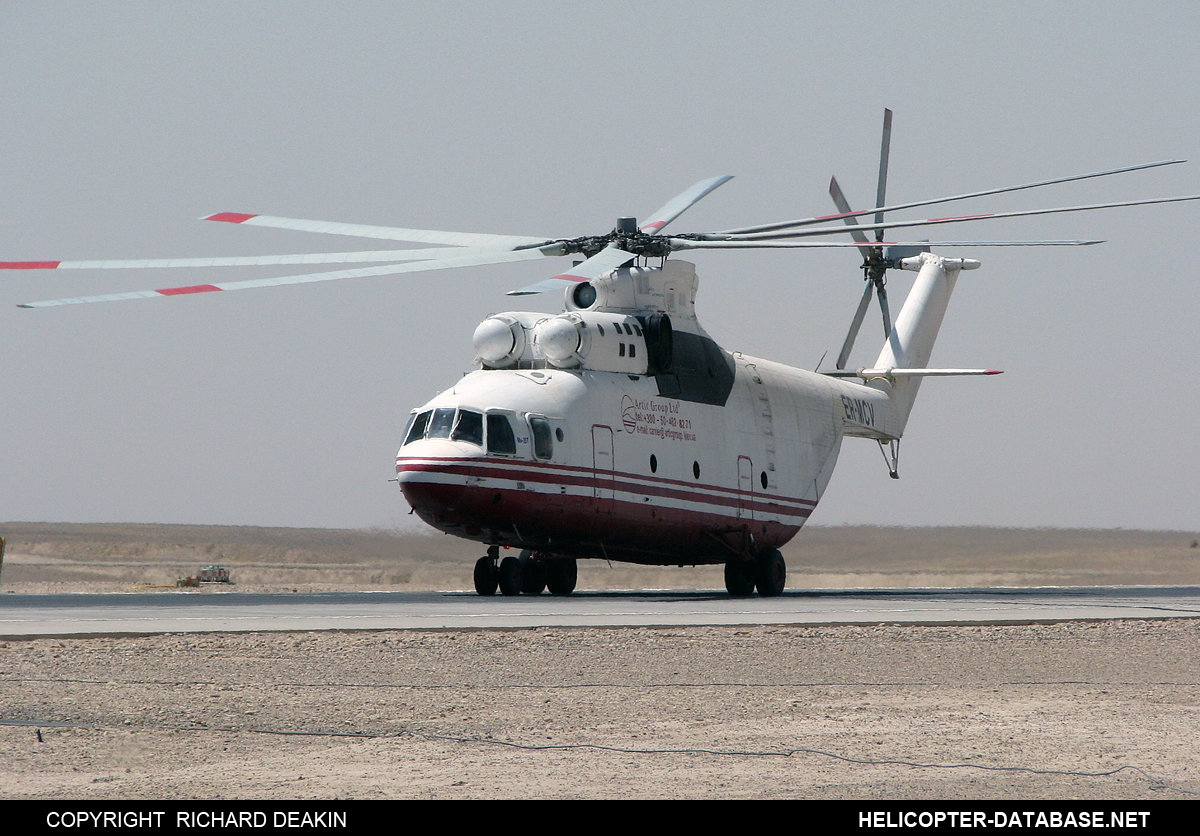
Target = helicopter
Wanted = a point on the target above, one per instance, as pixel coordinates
(619, 429)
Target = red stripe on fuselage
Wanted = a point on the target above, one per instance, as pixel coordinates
(620, 481)
(587, 526)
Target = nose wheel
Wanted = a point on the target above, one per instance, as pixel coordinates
(487, 574)
(529, 574)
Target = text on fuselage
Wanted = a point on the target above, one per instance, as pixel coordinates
(858, 411)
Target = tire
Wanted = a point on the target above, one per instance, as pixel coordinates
(739, 578)
(533, 574)
(770, 573)
(509, 578)
(561, 575)
(487, 578)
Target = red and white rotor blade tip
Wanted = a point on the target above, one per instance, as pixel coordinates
(677, 205)
(391, 233)
(250, 260)
(384, 270)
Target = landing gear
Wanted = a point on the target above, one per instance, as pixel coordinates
(510, 575)
(739, 577)
(529, 574)
(533, 573)
(487, 576)
(770, 573)
(561, 575)
(767, 571)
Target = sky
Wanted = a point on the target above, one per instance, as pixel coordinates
(125, 122)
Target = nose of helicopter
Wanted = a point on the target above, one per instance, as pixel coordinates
(438, 480)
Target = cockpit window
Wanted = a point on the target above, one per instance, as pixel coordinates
(468, 427)
(441, 423)
(543, 437)
(416, 430)
(500, 438)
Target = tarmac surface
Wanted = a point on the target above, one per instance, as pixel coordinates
(202, 612)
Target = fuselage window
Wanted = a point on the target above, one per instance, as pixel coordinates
(468, 427)
(500, 438)
(441, 423)
(633, 349)
(622, 349)
(600, 328)
(416, 430)
(543, 437)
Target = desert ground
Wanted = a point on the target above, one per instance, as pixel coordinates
(1073, 710)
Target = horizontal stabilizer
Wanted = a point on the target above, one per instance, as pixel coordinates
(869, 374)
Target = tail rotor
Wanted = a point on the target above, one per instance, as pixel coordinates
(875, 259)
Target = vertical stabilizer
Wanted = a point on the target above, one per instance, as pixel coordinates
(910, 343)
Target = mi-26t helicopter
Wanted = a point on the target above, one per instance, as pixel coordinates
(618, 429)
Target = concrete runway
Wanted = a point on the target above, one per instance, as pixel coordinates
(209, 611)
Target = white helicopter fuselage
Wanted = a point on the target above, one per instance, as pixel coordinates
(623, 469)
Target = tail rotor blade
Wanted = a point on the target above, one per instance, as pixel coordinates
(881, 292)
(843, 205)
(848, 345)
(885, 146)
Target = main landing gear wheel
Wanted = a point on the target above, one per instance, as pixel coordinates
(533, 573)
(739, 578)
(487, 577)
(510, 575)
(561, 575)
(770, 573)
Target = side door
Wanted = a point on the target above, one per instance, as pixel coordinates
(604, 484)
(745, 488)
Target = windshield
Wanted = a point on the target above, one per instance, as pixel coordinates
(468, 427)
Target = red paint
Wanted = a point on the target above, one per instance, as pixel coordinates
(230, 217)
(180, 291)
(959, 218)
(551, 474)
(638, 532)
(654, 225)
(29, 265)
(571, 277)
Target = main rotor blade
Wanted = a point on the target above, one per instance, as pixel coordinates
(753, 244)
(718, 236)
(855, 324)
(385, 270)
(424, 236)
(748, 230)
(843, 205)
(608, 259)
(254, 260)
(676, 206)
(885, 145)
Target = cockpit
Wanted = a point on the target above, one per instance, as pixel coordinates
(490, 431)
